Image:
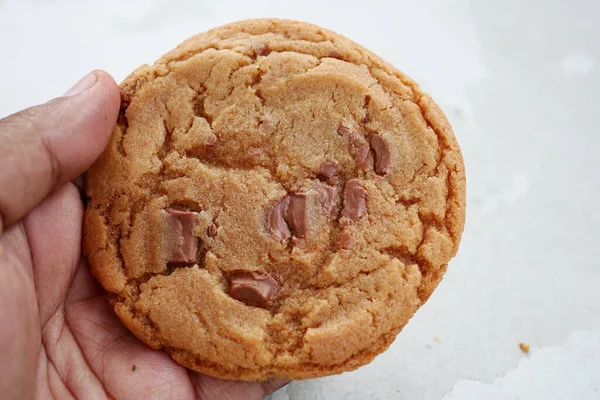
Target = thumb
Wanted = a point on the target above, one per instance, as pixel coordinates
(45, 146)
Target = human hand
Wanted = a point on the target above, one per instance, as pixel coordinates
(59, 337)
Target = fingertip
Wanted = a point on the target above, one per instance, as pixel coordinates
(95, 112)
(107, 87)
(108, 83)
(72, 197)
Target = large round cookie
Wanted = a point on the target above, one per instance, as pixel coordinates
(275, 200)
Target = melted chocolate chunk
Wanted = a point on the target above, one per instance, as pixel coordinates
(362, 156)
(212, 230)
(355, 200)
(343, 130)
(327, 197)
(329, 171)
(288, 217)
(353, 138)
(296, 214)
(185, 247)
(346, 240)
(382, 154)
(253, 288)
(277, 220)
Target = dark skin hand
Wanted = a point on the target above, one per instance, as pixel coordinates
(59, 337)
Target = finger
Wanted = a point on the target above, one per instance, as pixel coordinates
(207, 387)
(48, 145)
(54, 236)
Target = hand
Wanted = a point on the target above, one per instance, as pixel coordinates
(59, 337)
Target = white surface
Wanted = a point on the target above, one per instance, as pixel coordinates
(551, 373)
(520, 82)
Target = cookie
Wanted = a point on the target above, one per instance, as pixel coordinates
(275, 200)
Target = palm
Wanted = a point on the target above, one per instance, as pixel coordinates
(85, 351)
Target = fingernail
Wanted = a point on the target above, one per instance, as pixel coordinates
(84, 84)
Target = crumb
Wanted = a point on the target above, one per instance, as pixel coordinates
(524, 347)
(436, 338)
(134, 367)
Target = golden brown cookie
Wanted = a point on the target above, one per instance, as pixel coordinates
(275, 200)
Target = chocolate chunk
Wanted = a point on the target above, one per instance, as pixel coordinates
(277, 224)
(296, 214)
(362, 156)
(343, 130)
(329, 171)
(355, 200)
(253, 288)
(353, 138)
(288, 214)
(212, 230)
(382, 154)
(327, 197)
(185, 247)
(346, 240)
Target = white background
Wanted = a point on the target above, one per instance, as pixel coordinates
(520, 82)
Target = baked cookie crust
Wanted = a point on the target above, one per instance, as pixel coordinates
(275, 200)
